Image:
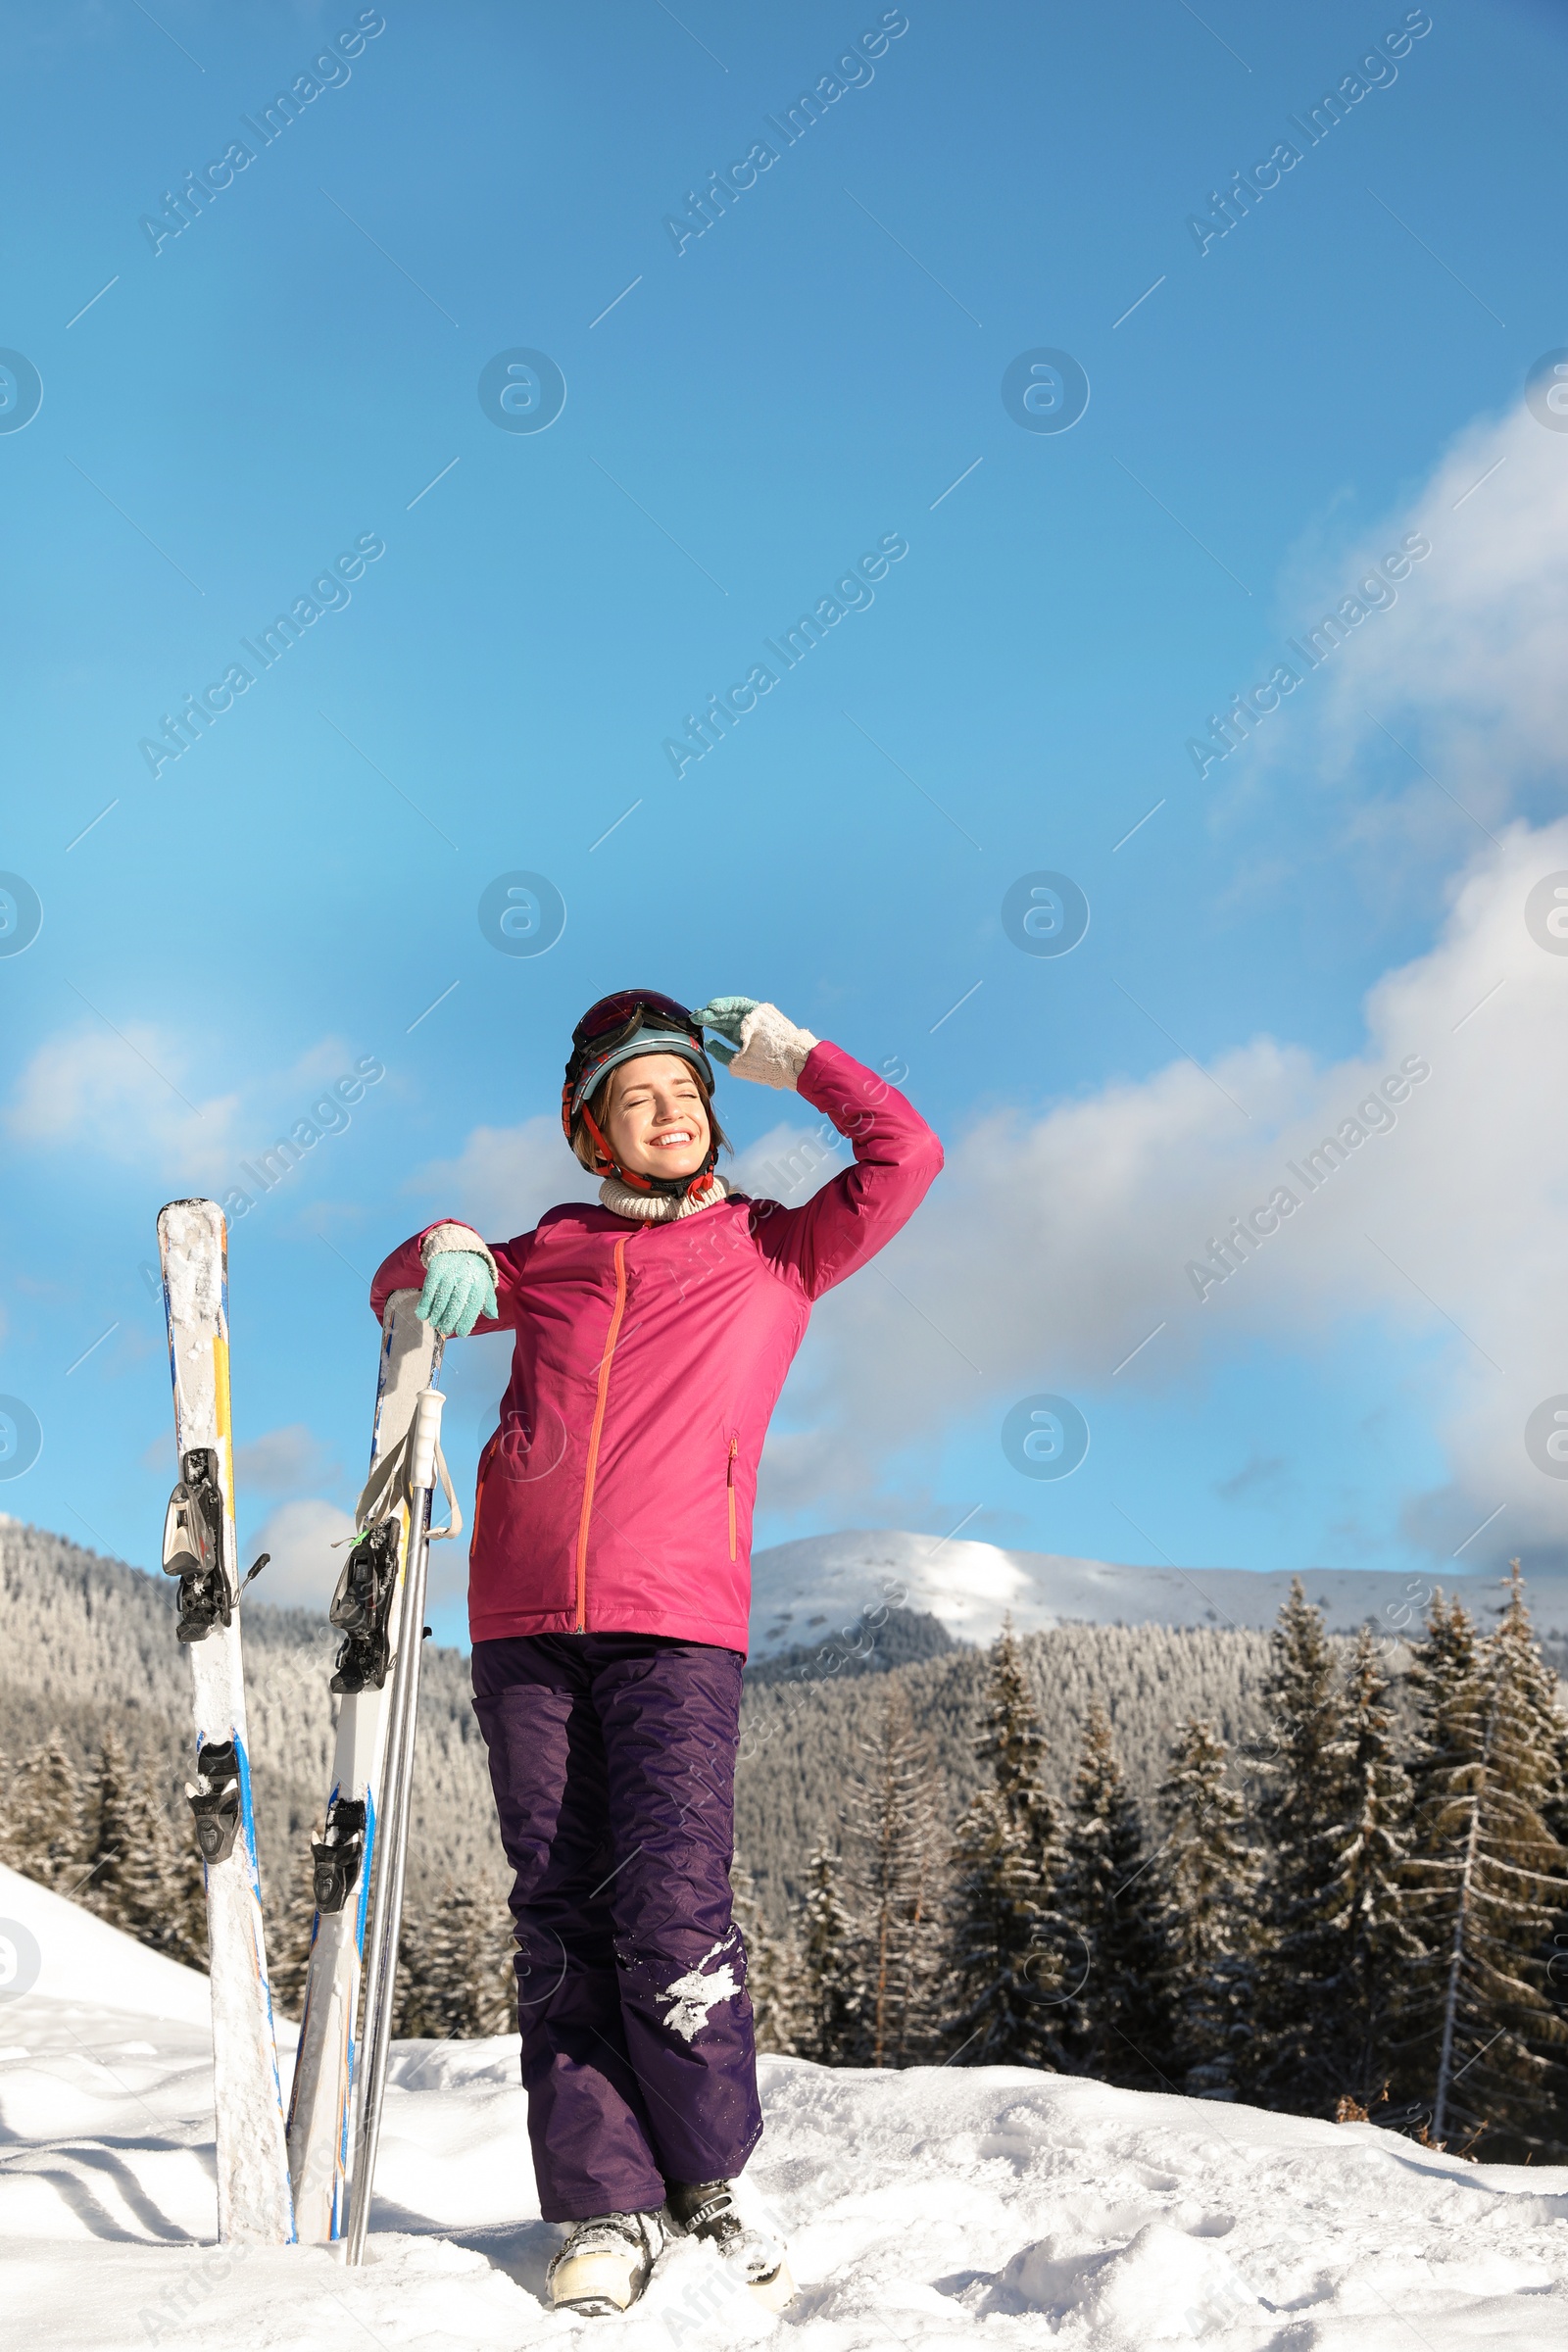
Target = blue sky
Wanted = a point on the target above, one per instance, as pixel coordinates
(295, 374)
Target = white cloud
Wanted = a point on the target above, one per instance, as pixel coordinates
(790, 1163)
(129, 1098)
(1053, 1246)
(505, 1178)
(281, 1458)
(304, 1569)
(1464, 667)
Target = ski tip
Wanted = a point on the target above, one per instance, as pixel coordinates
(181, 1221)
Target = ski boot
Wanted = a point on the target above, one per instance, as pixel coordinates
(705, 2210)
(606, 2262)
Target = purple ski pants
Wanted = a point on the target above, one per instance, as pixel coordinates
(612, 1761)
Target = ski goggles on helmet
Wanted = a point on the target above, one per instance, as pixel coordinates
(628, 1009)
(620, 1027)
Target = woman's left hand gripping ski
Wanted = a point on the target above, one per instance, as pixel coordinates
(458, 1290)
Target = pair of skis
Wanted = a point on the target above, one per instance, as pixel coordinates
(335, 2109)
(279, 2180)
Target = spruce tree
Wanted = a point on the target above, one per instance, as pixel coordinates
(833, 2021)
(1542, 1700)
(1007, 1959)
(1554, 1813)
(1109, 2021)
(776, 1976)
(289, 1938)
(772, 1968)
(1294, 2059)
(43, 1829)
(1482, 2034)
(106, 1839)
(413, 2001)
(1366, 1895)
(140, 1872)
(1208, 1875)
(745, 1909)
(899, 1848)
(110, 1823)
(451, 1985)
(163, 1893)
(1443, 1682)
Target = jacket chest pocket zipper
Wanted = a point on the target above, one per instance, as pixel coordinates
(730, 1487)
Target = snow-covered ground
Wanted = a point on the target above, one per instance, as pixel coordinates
(997, 2206)
(802, 1593)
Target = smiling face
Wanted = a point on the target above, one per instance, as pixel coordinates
(654, 1116)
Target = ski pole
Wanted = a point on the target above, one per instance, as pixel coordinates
(398, 1783)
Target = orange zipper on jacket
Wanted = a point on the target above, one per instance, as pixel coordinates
(729, 1480)
(479, 1505)
(594, 1432)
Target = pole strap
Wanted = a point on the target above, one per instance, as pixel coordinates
(387, 1487)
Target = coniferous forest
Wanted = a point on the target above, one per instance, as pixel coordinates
(1362, 1913)
(1319, 1873)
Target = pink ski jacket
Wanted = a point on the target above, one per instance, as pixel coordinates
(615, 1496)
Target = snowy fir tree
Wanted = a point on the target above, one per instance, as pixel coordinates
(289, 1937)
(1554, 1813)
(899, 1856)
(745, 1909)
(775, 1978)
(1446, 1685)
(1208, 1875)
(104, 1838)
(772, 1968)
(1007, 1956)
(1367, 1891)
(1483, 2037)
(41, 1823)
(109, 1826)
(163, 1893)
(1110, 2025)
(1293, 2059)
(138, 1875)
(455, 1982)
(832, 2024)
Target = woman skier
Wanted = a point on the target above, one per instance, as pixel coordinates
(609, 1585)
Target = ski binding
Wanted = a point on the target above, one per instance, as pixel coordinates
(214, 1797)
(361, 1607)
(336, 1855)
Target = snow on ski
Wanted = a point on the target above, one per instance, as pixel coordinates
(367, 1609)
(253, 2203)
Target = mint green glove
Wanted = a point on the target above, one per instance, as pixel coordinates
(724, 1014)
(457, 1290)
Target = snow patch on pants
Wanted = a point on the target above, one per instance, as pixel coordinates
(694, 1994)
